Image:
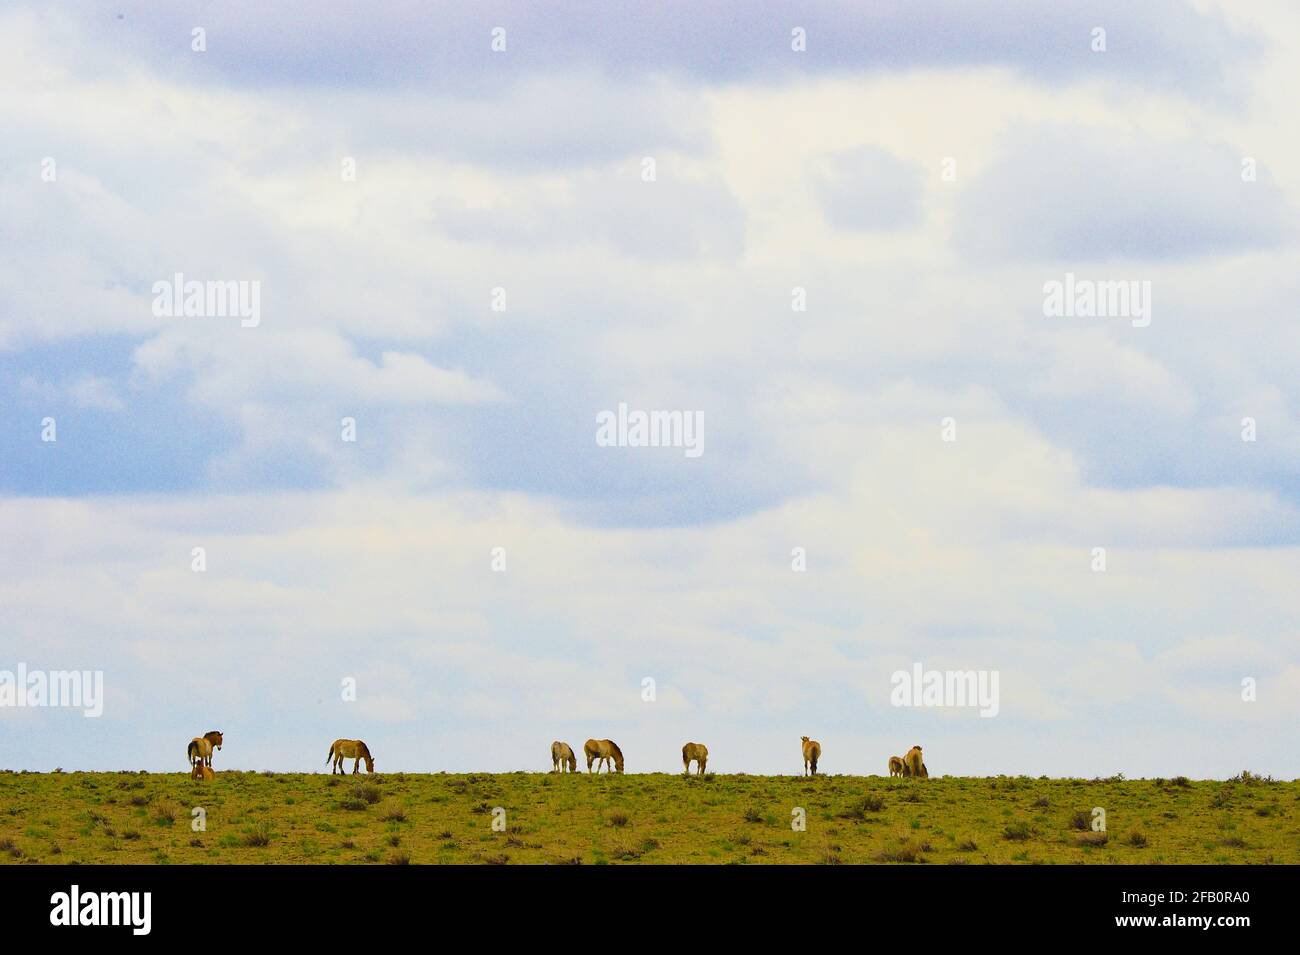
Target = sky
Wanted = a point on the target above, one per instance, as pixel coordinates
(826, 230)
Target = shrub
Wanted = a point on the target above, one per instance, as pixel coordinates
(909, 851)
(257, 837)
(1016, 832)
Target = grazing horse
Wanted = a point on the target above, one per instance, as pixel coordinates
(602, 751)
(695, 751)
(200, 748)
(202, 772)
(897, 766)
(342, 749)
(562, 758)
(914, 765)
(812, 751)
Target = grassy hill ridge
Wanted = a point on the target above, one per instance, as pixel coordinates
(400, 818)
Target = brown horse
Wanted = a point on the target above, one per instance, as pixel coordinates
(562, 758)
(812, 751)
(200, 748)
(342, 749)
(896, 766)
(602, 751)
(914, 765)
(698, 752)
(202, 772)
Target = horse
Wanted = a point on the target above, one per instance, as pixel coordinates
(896, 766)
(812, 751)
(914, 765)
(602, 751)
(202, 772)
(200, 748)
(342, 749)
(695, 751)
(562, 758)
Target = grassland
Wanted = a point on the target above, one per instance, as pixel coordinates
(107, 818)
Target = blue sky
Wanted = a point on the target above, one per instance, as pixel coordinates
(920, 171)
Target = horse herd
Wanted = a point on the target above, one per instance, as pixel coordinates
(599, 752)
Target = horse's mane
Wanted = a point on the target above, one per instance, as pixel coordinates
(365, 750)
(614, 746)
(211, 733)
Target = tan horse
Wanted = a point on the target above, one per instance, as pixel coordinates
(914, 765)
(200, 748)
(896, 766)
(602, 751)
(698, 752)
(202, 772)
(342, 749)
(812, 751)
(562, 757)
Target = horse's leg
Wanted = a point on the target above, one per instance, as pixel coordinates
(356, 766)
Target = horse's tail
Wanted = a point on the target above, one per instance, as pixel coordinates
(330, 754)
(686, 759)
(192, 751)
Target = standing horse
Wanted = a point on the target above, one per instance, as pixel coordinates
(914, 763)
(200, 748)
(896, 766)
(342, 749)
(562, 758)
(812, 751)
(602, 751)
(695, 751)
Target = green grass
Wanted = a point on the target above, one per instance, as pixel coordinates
(396, 819)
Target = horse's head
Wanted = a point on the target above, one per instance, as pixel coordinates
(804, 738)
(215, 739)
(370, 764)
